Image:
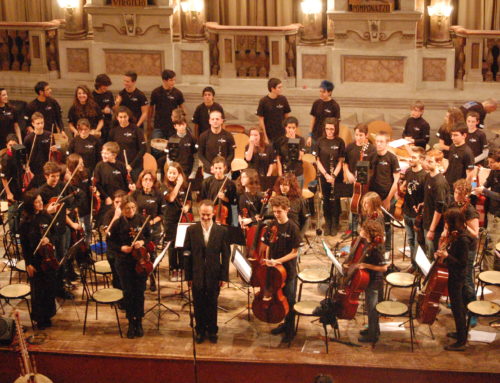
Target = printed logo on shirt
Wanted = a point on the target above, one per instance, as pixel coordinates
(262, 154)
(106, 100)
(48, 107)
(116, 172)
(134, 99)
(88, 146)
(279, 106)
(472, 140)
(328, 110)
(412, 186)
(171, 97)
(334, 147)
(127, 134)
(221, 140)
(46, 141)
(416, 128)
(285, 235)
(150, 201)
(7, 113)
(385, 163)
(187, 144)
(455, 155)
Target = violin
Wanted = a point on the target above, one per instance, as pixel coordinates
(186, 217)
(95, 202)
(143, 265)
(398, 209)
(270, 304)
(28, 174)
(54, 155)
(78, 236)
(221, 211)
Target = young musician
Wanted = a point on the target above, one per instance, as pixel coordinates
(11, 175)
(259, 155)
(86, 145)
(131, 140)
(104, 98)
(491, 189)
(84, 106)
(287, 161)
(386, 173)
(174, 196)
(8, 119)
(121, 234)
(164, 100)
(218, 188)
(202, 112)
(482, 108)
(40, 140)
(47, 106)
(249, 203)
(215, 142)
(456, 253)
(298, 212)
(34, 223)
(284, 250)
(135, 100)
(460, 157)
(330, 154)
(373, 232)
(476, 138)
(322, 108)
(353, 153)
(413, 188)
(453, 116)
(207, 268)
(417, 130)
(436, 194)
(273, 109)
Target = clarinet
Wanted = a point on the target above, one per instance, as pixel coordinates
(332, 173)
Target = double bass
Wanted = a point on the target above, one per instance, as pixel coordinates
(270, 304)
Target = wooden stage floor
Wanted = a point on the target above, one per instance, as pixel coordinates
(244, 346)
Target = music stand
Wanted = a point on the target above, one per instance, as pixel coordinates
(245, 271)
(159, 305)
(422, 261)
(400, 225)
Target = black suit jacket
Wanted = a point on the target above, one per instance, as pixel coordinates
(207, 265)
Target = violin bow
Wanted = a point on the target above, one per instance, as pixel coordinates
(31, 151)
(141, 229)
(185, 201)
(66, 185)
(222, 187)
(3, 191)
(50, 226)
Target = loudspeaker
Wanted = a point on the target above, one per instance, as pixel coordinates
(7, 328)
(362, 172)
(173, 148)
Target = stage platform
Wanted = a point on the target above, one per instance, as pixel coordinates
(246, 351)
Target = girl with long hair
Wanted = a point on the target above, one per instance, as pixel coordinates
(452, 117)
(84, 106)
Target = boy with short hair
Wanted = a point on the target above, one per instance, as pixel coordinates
(86, 145)
(104, 98)
(322, 108)
(417, 130)
(47, 106)
(134, 99)
(272, 111)
(201, 115)
(476, 138)
(460, 158)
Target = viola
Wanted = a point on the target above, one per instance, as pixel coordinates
(96, 201)
(143, 265)
(270, 304)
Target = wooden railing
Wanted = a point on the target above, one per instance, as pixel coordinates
(477, 57)
(29, 46)
(252, 51)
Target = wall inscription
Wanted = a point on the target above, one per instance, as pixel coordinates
(376, 6)
(129, 3)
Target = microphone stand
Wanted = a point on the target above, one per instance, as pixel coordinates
(394, 223)
(319, 214)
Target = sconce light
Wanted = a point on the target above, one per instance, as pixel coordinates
(193, 12)
(192, 6)
(312, 21)
(73, 14)
(439, 14)
(440, 10)
(72, 4)
(310, 7)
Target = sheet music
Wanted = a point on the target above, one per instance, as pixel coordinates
(161, 255)
(422, 261)
(398, 143)
(181, 234)
(242, 265)
(332, 257)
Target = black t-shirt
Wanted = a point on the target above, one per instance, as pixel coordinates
(493, 183)
(89, 149)
(134, 101)
(165, 101)
(187, 148)
(375, 256)
(110, 177)
(460, 160)
(444, 135)
(458, 254)
(251, 202)
(415, 186)
(477, 141)
(474, 106)
(470, 213)
(74, 116)
(40, 153)
(149, 204)
(329, 152)
(172, 210)
(47, 192)
(50, 109)
(384, 168)
(273, 110)
(281, 147)
(320, 110)
(287, 239)
(9, 170)
(103, 100)
(131, 139)
(262, 160)
(8, 119)
(353, 155)
(202, 114)
(436, 197)
(418, 129)
(210, 188)
(211, 145)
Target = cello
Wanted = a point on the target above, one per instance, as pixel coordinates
(143, 265)
(270, 304)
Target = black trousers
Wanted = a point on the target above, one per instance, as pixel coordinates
(43, 295)
(133, 286)
(455, 288)
(331, 208)
(289, 291)
(205, 309)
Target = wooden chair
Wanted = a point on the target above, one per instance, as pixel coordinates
(234, 128)
(149, 163)
(346, 134)
(377, 126)
(241, 140)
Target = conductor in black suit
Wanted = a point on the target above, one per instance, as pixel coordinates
(207, 267)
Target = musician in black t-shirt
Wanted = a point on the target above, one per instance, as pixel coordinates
(417, 130)
(460, 157)
(11, 175)
(453, 116)
(104, 98)
(165, 99)
(288, 162)
(202, 112)
(133, 98)
(272, 111)
(260, 156)
(283, 249)
(84, 106)
(86, 145)
(476, 139)
(47, 106)
(482, 108)
(8, 119)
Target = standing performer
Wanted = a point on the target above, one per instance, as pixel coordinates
(201, 115)
(417, 130)
(476, 139)
(287, 160)
(260, 156)
(134, 99)
(453, 116)
(47, 106)
(34, 224)
(8, 119)
(284, 250)
(121, 234)
(272, 111)
(207, 268)
(330, 153)
(249, 201)
(84, 106)
(86, 145)
(459, 244)
(104, 98)
(11, 175)
(461, 158)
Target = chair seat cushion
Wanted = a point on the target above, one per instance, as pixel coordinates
(400, 279)
(314, 275)
(391, 308)
(305, 307)
(490, 277)
(21, 265)
(108, 295)
(483, 308)
(15, 290)
(102, 267)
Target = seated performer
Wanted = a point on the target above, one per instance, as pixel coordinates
(284, 250)
(207, 268)
(121, 234)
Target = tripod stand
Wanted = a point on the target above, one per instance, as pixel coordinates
(159, 305)
(394, 223)
(319, 232)
(245, 271)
